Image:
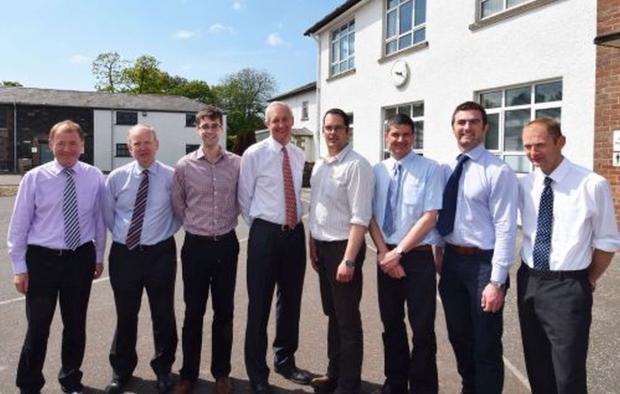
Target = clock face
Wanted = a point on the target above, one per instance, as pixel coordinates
(399, 73)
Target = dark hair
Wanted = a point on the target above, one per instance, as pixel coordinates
(337, 112)
(552, 126)
(400, 119)
(68, 125)
(210, 111)
(470, 106)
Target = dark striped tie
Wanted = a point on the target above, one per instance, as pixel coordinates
(445, 223)
(544, 227)
(289, 190)
(70, 212)
(137, 218)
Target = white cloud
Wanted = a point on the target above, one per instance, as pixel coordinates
(183, 34)
(79, 59)
(237, 5)
(274, 40)
(219, 28)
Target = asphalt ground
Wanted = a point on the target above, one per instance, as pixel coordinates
(603, 363)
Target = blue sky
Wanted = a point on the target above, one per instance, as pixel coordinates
(52, 43)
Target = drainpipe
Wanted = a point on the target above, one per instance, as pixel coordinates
(14, 136)
(112, 147)
(317, 132)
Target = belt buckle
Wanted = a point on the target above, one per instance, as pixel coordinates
(216, 238)
(58, 252)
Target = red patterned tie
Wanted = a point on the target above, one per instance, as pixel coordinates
(289, 191)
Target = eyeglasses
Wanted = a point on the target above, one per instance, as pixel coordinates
(334, 129)
(212, 126)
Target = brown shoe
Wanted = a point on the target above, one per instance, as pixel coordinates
(223, 385)
(184, 386)
(324, 384)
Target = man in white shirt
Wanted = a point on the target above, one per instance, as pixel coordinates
(340, 209)
(570, 235)
(269, 196)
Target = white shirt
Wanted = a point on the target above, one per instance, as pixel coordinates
(486, 209)
(583, 216)
(341, 195)
(261, 183)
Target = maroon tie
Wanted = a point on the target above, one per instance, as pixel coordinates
(289, 191)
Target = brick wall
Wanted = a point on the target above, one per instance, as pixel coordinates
(607, 114)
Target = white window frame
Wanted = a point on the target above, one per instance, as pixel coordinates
(532, 106)
(505, 7)
(304, 110)
(338, 65)
(416, 120)
(398, 34)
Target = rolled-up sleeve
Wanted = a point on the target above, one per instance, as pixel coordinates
(360, 192)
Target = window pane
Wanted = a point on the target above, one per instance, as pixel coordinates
(512, 3)
(351, 63)
(518, 163)
(420, 12)
(552, 113)
(404, 41)
(513, 126)
(491, 7)
(418, 142)
(491, 99)
(418, 110)
(334, 52)
(406, 12)
(391, 24)
(390, 47)
(351, 44)
(344, 49)
(548, 92)
(405, 109)
(419, 35)
(518, 96)
(389, 112)
(491, 140)
(391, 3)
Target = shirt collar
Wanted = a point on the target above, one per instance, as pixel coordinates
(476, 152)
(57, 168)
(200, 154)
(137, 168)
(560, 172)
(341, 155)
(275, 145)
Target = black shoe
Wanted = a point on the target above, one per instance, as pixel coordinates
(295, 374)
(116, 385)
(165, 383)
(260, 387)
(324, 384)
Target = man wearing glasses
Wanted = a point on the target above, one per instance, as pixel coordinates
(204, 197)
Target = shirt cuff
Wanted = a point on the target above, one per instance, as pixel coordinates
(499, 273)
(19, 267)
(606, 245)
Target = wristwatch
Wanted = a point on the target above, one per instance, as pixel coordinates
(349, 263)
(498, 285)
(400, 250)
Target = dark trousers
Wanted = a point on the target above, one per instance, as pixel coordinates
(67, 278)
(275, 257)
(418, 291)
(208, 264)
(341, 304)
(475, 335)
(555, 312)
(145, 267)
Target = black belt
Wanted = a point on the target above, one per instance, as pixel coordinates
(574, 274)
(147, 248)
(60, 252)
(281, 227)
(211, 238)
(466, 250)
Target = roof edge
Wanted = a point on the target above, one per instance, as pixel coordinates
(331, 16)
(301, 89)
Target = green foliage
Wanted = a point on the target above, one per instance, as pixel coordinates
(144, 76)
(10, 84)
(108, 71)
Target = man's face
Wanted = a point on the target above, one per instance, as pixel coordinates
(399, 140)
(335, 132)
(279, 122)
(143, 146)
(209, 131)
(469, 129)
(66, 146)
(541, 148)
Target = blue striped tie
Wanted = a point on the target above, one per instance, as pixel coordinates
(137, 218)
(70, 212)
(542, 243)
(389, 217)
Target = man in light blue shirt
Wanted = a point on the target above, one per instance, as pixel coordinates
(478, 224)
(138, 212)
(408, 194)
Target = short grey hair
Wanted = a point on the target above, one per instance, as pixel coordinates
(274, 104)
(141, 126)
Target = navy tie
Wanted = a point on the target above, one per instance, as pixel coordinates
(70, 212)
(137, 218)
(391, 201)
(445, 223)
(542, 244)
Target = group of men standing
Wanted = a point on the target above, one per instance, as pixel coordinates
(458, 220)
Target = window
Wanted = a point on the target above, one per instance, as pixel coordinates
(416, 113)
(304, 110)
(510, 109)
(190, 120)
(343, 49)
(126, 118)
(122, 150)
(491, 7)
(4, 119)
(351, 127)
(405, 24)
(189, 148)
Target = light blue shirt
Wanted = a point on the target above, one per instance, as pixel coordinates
(120, 195)
(421, 191)
(486, 208)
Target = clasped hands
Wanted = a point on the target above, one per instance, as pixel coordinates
(389, 262)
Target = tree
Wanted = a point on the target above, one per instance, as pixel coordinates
(108, 70)
(144, 76)
(195, 89)
(10, 84)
